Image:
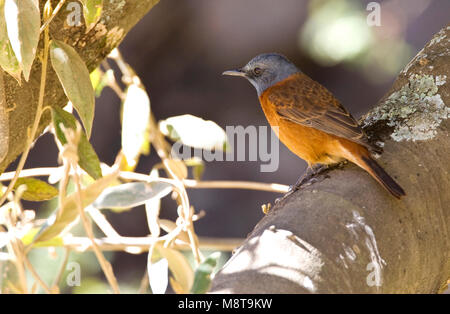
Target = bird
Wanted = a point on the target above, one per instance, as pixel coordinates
(309, 120)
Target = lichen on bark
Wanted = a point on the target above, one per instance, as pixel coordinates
(415, 111)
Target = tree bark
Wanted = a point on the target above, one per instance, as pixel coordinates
(118, 17)
(345, 234)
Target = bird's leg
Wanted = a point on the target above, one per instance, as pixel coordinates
(308, 177)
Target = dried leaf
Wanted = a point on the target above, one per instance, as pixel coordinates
(177, 288)
(179, 267)
(178, 167)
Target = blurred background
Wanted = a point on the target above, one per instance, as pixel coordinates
(180, 49)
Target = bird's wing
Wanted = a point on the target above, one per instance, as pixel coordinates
(304, 101)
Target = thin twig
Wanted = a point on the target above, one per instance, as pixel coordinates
(5, 122)
(63, 184)
(18, 261)
(160, 144)
(55, 12)
(34, 172)
(127, 72)
(14, 245)
(138, 245)
(37, 118)
(70, 156)
(102, 222)
(143, 286)
(112, 83)
(62, 268)
(190, 184)
(245, 185)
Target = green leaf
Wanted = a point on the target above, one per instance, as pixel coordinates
(87, 158)
(135, 123)
(37, 190)
(195, 132)
(23, 23)
(92, 10)
(8, 60)
(68, 213)
(74, 78)
(130, 195)
(158, 275)
(202, 279)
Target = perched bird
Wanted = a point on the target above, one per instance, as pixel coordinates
(309, 120)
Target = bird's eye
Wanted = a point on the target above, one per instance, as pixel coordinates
(257, 71)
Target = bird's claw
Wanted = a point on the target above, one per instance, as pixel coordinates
(310, 177)
(292, 189)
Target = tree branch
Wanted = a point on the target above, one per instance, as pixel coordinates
(345, 234)
(93, 47)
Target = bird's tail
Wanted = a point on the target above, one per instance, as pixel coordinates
(376, 171)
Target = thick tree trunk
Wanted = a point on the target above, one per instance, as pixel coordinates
(345, 234)
(118, 17)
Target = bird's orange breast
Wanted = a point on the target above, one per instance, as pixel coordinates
(312, 145)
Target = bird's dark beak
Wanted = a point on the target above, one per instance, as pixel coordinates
(237, 72)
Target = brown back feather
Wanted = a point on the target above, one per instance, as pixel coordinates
(302, 100)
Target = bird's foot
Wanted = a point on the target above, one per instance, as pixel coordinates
(292, 189)
(339, 165)
(309, 177)
(289, 192)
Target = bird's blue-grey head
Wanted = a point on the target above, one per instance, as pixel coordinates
(265, 70)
